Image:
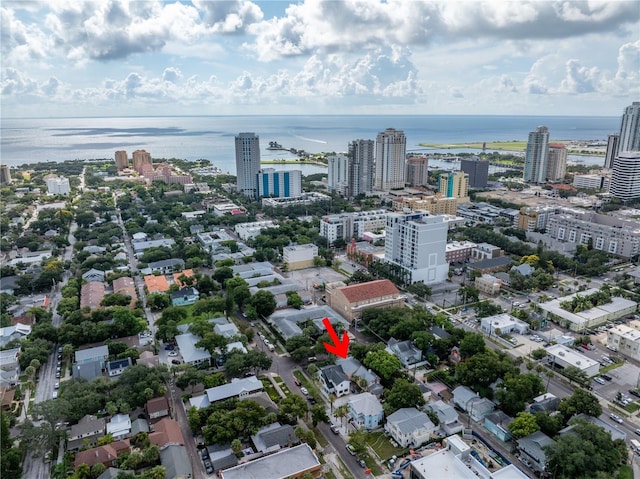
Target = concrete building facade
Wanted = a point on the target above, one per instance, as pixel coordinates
(454, 185)
(625, 180)
(630, 128)
(247, 163)
(361, 171)
(391, 149)
(556, 162)
(478, 171)
(299, 256)
(417, 173)
(338, 174)
(281, 184)
(536, 156)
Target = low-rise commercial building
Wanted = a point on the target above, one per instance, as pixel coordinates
(625, 340)
(563, 356)
(299, 256)
(488, 284)
(291, 463)
(350, 301)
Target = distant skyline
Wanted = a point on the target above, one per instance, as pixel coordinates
(146, 58)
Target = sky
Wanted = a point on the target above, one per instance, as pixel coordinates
(241, 57)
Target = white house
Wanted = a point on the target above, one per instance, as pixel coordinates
(119, 426)
(238, 388)
(472, 403)
(334, 381)
(409, 427)
(503, 324)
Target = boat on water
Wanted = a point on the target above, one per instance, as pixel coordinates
(274, 145)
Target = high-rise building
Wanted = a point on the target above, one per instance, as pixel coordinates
(612, 149)
(338, 173)
(417, 173)
(535, 160)
(122, 161)
(361, 167)
(417, 243)
(281, 184)
(478, 171)
(625, 179)
(247, 163)
(556, 162)
(391, 150)
(141, 158)
(454, 184)
(5, 174)
(630, 128)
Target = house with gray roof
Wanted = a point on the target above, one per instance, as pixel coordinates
(228, 330)
(190, 353)
(405, 351)
(366, 411)
(273, 437)
(8, 284)
(240, 388)
(334, 381)
(98, 353)
(17, 331)
(448, 417)
(139, 425)
(184, 296)
(524, 269)
(291, 462)
(531, 449)
(409, 427)
(139, 247)
(112, 473)
(175, 460)
(88, 429)
(471, 403)
(221, 456)
(117, 367)
(497, 423)
(88, 370)
(365, 378)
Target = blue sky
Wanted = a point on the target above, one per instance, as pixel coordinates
(200, 57)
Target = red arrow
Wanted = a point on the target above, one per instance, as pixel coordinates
(339, 348)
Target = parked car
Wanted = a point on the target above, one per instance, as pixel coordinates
(56, 386)
(208, 466)
(169, 347)
(362, 463)
(350, 449)
(334, 429)
(606, 377)
(173, 353)
(304, 391)
(634, 392)
(297, 382)
(175, 361)
(637, 431)
(599, 380)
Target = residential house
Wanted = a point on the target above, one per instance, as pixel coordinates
(157, 408)
(185, 296)
(448, 417)
(113, 472)
(366, 411)
(365, 378)
(221, 457)
(546, 402)
(106, 454)
(350, 301)
(117, 367)
(167, 266)
(87, 371)
(187, 273)
(9, 366)
(87, 431)
(156, 284)
(125, 286)
(273, 437)
(175, 460)
(226, 329)
(334, 381)
(531, 449)
(489, 265)
(8, 284)
(497, 423)
(503, 323)
(292, 462)
(94, 249)
(148, 359)
(409, 427)
(240, 388)
(524, 269)
(139, 425)
(17, 331)
(190, 353)
(405, 351)
(98, 353)
(91, 295)
(471, 403)
(93, 275)
(119, 426)
(166, 431)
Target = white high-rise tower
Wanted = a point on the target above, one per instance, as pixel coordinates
(247, 163)
(391, 151)
(630, 128)
(536, 157)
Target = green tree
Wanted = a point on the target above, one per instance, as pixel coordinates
(580, 402)
(222, 274)
(383, 363)
(264, 303)
(158, 301)
(516, 390)
(402, 394)
(318, 414)
(576, 374)
(293, 407)
(471, 344)
(236, 446)
(523, 424)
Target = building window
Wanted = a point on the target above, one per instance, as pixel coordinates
(561, 232)
(613, 246)
(584, 238)
(599, 243)
(572, 236)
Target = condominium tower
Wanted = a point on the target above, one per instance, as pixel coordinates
(557, 162)
(122, 161)
(612, 149)
(140, 159)
(338, 173)
(391, 150)
(625, 179)
(417, 243)
(417, 173)
(361, 167)
(247, 163)
(478, 171)
(536, 156)
(454, 185)
(630, 128)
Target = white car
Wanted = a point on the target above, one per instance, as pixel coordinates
(172, 353)
(616, 418)
(304, 391)
(56, 386)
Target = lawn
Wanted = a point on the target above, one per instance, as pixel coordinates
(282, 385)
(383, 447)
(271, 390)
(490, 145)
(310, 385)
(625, 472)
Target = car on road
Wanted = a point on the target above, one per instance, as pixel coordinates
(208, 466)
(616, 418)
(362, 463)
(56, 386)
(175, 361)
(55, 394)
(297, 382)
(350, 449)
(637, 431)
(173, 353)
(334, 429)
(634, 392)
(304, 391)
(58, 375)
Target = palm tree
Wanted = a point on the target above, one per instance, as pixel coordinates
(341, 412)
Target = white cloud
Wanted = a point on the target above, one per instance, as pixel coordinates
(229, 16)
(171, 74)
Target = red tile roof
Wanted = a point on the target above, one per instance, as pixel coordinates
(101, 454)
(156, 284)
(356, 293)
(166, 431)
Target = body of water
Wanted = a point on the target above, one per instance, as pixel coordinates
(212, 137)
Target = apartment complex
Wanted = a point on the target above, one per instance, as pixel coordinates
(416, 242)
(141, 158)
(625, 340)
(58, 185)
(478, 171)
(556, 162)
(536, 156)
(280, 184)
(612, 149)
(299, 256)
(625, 179)
(391, 149)
(607, 233)
(534, 218)
(630, 129)
(417, 171)
(360, 176)
(122, 161)
(247, 163)
(352, 225)
(434, 204)
(338, 174)
(454, 185)
(592, 182)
